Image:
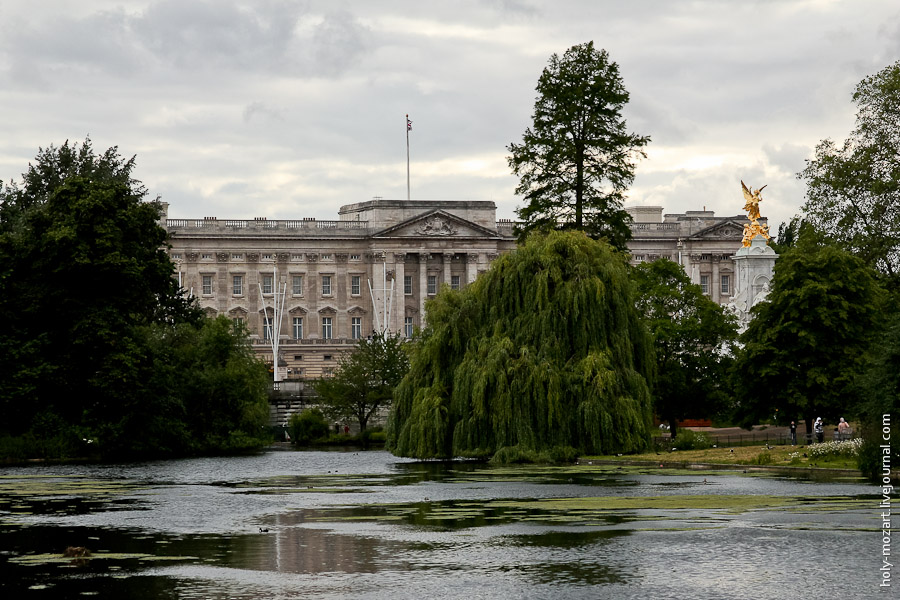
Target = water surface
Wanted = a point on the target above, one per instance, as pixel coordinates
(346, 524)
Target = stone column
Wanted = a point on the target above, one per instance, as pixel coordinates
(471, 267)
(715, 292)
(448, 261)
(399, 301)
(423, 285)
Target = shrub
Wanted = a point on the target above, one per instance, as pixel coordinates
(516, 454)
(847, 448)
(687, 439)
(307, 426)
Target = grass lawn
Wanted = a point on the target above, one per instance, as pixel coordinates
(741, 455)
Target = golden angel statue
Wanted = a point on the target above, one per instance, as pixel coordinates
(753, 229)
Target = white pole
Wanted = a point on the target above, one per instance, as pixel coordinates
(374, 305)
(408, 127)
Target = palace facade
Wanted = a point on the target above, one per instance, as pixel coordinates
(336, 281)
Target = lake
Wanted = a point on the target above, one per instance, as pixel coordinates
(347, 524)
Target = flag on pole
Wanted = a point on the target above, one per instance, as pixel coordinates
(408, 124)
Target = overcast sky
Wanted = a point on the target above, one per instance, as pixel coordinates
(290, 109)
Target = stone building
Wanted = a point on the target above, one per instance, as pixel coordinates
(698, 240)
(376, 265)
(342, 279)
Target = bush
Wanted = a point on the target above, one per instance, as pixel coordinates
(847, 448)
(516, 455)
(764, 458)
(688, 439)
(307, 427)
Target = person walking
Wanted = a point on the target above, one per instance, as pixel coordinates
(793, 433)
(819, 428)
(843, 430)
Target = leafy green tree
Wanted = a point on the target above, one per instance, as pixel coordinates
(83, 264)
(577, 160)
(364, 382)
(808, 343)
(691, 335)
(307, 426)
(853, 190)
(98, 341)
(544, 352)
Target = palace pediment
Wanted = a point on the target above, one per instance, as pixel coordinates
(436, 224)
(729, 230)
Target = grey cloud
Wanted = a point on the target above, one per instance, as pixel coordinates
(258, 108)
(217, 34)
(788, 157)
(337, 43)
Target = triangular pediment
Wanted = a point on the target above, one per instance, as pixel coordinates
(436, 224)
(297, 310)
(238, 311)
(356, 310)
(723, 231)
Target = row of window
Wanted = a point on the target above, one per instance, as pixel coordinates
(327, 327)
(267, 283)
(724, 284)
(240, 256)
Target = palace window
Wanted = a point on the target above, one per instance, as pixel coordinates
(407, 285)
(237, 287)
(297, 285)
(726, 285)
(206, 256)
(454, 282)
(267, 284)
(238, 323)
(354, 257)
(326, 328)
(267, 329)
(408, 326)
(207, 284)
(704, 284)
(356, 328)
(354, 285)
(432, 285)
(326, 285)
(237, 256)
(298, 329)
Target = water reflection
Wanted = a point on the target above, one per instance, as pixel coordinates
(368, 525)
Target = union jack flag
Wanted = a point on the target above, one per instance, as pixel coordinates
(408, 124)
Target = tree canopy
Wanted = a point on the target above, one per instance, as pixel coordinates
(364, 382)
(86, 290)
(544, 351)
(853, 189)
(577, 159)
(691, 336)
(809, 341)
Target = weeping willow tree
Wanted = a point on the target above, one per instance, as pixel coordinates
(545, 351)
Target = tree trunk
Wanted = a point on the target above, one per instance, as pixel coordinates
(579, 185)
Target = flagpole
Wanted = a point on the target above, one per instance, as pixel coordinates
(408, 127)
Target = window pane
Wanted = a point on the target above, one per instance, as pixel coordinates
(354, 285)
(454, 282)
(207, 284)
(704, 283)
(267, 284)
(726, 284)
(408, 326)
(326, 285)
(326, 328)
(238, 287)
(407, 284)
(298, 328)
(356, 328)
(432, 284)
(298, 285)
